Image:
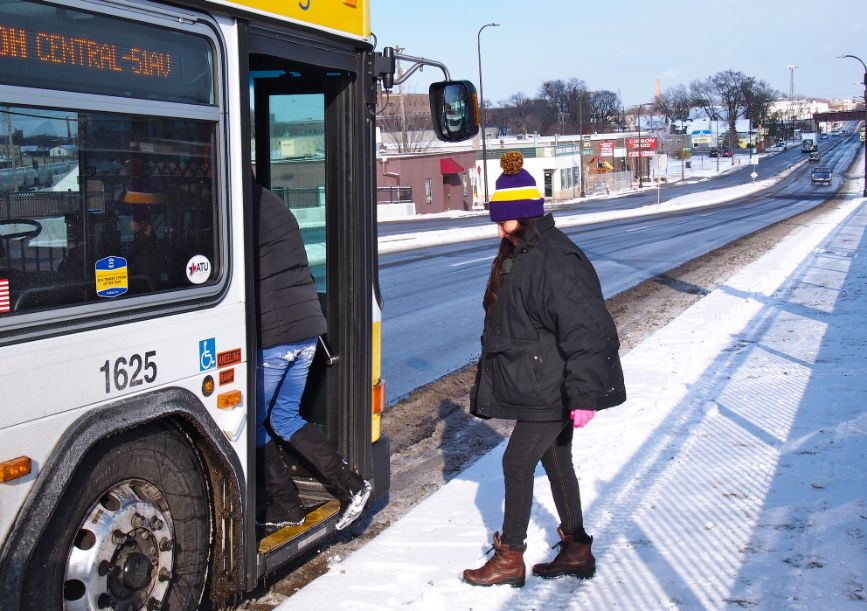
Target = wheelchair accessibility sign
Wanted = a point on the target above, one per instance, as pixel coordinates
(207, 354)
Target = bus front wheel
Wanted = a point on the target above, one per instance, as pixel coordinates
(131, 532)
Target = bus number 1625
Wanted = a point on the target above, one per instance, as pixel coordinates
(123, 378)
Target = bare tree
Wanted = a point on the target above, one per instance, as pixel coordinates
(605, 108)
(675, 103)
(758, 97)
(703, 96)
(564, 97)
(407, 133)
(729, 88)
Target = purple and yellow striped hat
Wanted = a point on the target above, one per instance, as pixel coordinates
(516, 196)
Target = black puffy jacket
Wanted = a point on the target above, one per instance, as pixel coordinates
(549, 344)
(287, 306)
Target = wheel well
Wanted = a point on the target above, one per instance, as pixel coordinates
(226, 575)
(173, 407)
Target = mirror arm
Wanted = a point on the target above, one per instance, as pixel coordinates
(385, 67)
(419, 62)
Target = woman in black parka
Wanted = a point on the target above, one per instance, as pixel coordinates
(549, 361)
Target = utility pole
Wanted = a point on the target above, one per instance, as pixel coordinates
(404, 139)
(484, 109)
(581, 134)
(792, 69)
(865, 116)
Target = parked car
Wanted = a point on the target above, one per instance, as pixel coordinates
(713, 153)
(725, 153)
(814, 156)
(821, 175)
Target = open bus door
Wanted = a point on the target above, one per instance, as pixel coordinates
(310, 148)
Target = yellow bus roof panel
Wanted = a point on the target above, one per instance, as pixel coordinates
(350, 17)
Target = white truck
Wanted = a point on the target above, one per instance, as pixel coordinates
(809, 142)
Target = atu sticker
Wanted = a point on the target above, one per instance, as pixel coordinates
(111, 277)
(198, 269)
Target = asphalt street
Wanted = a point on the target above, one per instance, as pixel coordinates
(433, 315)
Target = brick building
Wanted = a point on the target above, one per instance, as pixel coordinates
(423, 183)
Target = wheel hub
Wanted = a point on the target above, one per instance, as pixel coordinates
(122, 557)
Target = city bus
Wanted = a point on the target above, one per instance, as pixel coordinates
(131, 134)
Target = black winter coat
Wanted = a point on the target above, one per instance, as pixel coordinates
(549, 344)
(287, 306)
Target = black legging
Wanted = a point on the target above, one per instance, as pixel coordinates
(550, 442)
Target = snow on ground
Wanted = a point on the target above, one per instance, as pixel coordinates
(732, 478)
(408, 241)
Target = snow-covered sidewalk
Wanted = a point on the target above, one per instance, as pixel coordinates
(733, 477)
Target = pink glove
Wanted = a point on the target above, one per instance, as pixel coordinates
(580, 417)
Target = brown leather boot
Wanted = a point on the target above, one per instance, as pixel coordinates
(574, 558)
(506, 567)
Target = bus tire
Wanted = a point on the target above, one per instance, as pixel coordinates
(131, 531)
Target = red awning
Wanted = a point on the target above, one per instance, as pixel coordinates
(450, 166)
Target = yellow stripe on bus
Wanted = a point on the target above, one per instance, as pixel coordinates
(347, 16)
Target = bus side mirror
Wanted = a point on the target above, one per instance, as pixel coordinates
(454, 110)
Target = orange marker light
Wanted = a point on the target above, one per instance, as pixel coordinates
(379, 397)
(13, 469)
(228, 399)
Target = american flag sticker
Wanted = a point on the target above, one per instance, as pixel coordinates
(4, 295)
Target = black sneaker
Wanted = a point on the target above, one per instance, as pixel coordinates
(355, 506)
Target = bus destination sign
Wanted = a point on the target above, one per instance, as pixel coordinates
(77, 51)
(21, 45)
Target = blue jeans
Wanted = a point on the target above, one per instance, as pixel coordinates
(281, 374)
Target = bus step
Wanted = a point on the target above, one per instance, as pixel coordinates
(278, 547)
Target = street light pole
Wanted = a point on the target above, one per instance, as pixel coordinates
(581, 134)
(792, 69)
(639, 140)
(484, 109)
(718, 147)
(865, 117)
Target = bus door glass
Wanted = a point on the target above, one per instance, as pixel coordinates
(289, 159)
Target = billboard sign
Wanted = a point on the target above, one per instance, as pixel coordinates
(606, 149)
(645, 143)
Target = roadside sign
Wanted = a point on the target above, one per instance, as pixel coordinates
(755, 160)
(586, 137)
(754, 175)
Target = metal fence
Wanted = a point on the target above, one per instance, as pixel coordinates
(301, 197)
(394, 195)
(610, 182)
(40, 204)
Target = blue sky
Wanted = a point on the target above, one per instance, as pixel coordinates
(625, 46)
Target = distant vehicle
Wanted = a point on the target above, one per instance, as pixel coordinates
(835, 133)
(844, 131)
(821, 175)
(713, 153)
(725, 153)
(814, 156)
(823, 137)
(809, 142)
